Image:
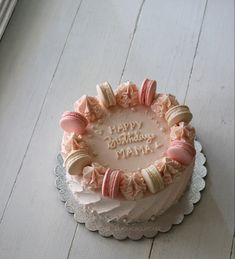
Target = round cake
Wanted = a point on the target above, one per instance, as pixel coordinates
(129, 154)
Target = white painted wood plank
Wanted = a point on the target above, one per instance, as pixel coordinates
(164, 44)
(1, 3)
(208, 232)
(35, 224)
(91, 245)
(29, 53)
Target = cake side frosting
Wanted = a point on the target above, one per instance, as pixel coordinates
(136, 210)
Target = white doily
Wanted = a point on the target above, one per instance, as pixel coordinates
(135, 231)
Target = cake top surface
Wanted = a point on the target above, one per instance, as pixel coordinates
(127, 139)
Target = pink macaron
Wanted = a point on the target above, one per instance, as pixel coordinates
(147, 92)
(111, 181)
(73, 122)
(181, 151)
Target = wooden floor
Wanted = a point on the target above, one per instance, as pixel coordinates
(53, 52)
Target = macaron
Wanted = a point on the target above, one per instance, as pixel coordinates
(181, 151)
(73, 122)
(106, 95)
(177, 114)
(76, 161)
(147, 92)
(153, 179)
(110, 184)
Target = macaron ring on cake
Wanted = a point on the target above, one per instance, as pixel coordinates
(129, 154)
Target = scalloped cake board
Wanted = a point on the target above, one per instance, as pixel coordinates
(135, 231)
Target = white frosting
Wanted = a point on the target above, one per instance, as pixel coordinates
(132, 211)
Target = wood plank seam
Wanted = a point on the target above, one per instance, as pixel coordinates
(71, 245)
(39, 114)
(195, 53)
(61, 54)
(132, 39)
(151, 248)
(66, 40)
(190, 74)
(232, 245)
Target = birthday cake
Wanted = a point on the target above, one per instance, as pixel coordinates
(129, 154)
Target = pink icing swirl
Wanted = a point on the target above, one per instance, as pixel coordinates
(71, 142)
(133, 186)
(90, 107)
(183, 132)
(163, 103)
(169, 169)
(93, 176)
(127, 95)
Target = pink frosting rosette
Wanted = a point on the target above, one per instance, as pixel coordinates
(92, 177)
(163, 103)
(70, 142)
(127, 95)
(133, 186)
(183, 132)
(168, 169)
(90, 107)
